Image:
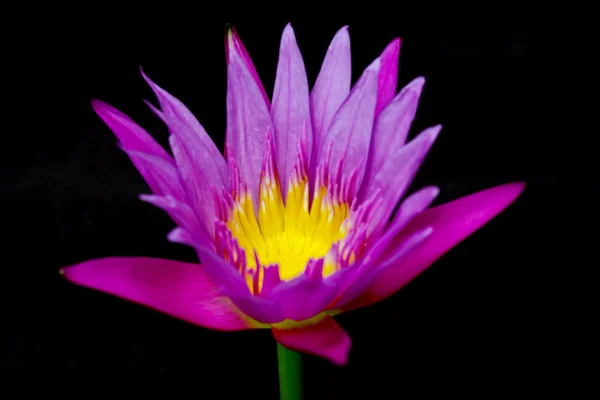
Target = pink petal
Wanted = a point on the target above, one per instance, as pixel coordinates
(233, 43)
(182, 290)
(452, 222)
(130, 135)
(391, 130)
(326, 339)
(394, 178)
(388, 75)
(349, 135)
(248, 122)
(291, 110)
(332, 85)
(205, 160)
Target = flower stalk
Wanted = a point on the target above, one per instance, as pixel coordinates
(290, 373)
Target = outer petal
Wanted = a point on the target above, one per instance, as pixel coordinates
(233, 43)
(348, 137)
(332, 85)
(394, 178)
(452, 222)
(391, 130)
(182, 290)
(388, 75)
(205, 159)
(248, 121)
(130, 135)
(326, 339)
(291, 110)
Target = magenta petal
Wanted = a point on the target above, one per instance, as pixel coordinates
(348, 137)
(204, 159)
(130, 135)
(248, 122)
(303, 297)
(161, 175)
(182, 290)
(233, 43)
(388, 75)
(391, 130)
(452, 222)
(327, 339)
(394, 178)
(290, 112)
(332, 85)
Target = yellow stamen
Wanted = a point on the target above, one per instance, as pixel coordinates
(288, 234)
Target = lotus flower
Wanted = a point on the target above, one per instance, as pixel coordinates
(294, 222)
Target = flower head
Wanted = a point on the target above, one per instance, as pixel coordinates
(295, 223)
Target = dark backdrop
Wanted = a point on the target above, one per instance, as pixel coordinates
(502, 312)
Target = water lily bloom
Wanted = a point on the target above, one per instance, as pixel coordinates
(296, 220)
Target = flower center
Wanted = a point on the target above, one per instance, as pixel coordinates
(288, 234)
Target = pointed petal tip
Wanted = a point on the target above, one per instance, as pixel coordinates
(431, 134)
(417, 83)
(374, 67)
(288, 33)
(394, 45)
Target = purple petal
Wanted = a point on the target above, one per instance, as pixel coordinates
(332, 85)
(207, 163)
(233, 43)
(234, 287)
(303, 297)
(248, 122)
(130, 135)
(162, 176)
(181, 236)
(452, 222)
(196, 184)
(182, 290)
(290, 112)
(397, 173)
(391, 130)
(409, 209)
(366, 273)
(388, 75)
(183, 216)
(349, 135)
(326, 339)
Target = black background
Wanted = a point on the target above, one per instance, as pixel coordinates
(504, 312)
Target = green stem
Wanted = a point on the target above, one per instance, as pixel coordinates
(290, 373)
